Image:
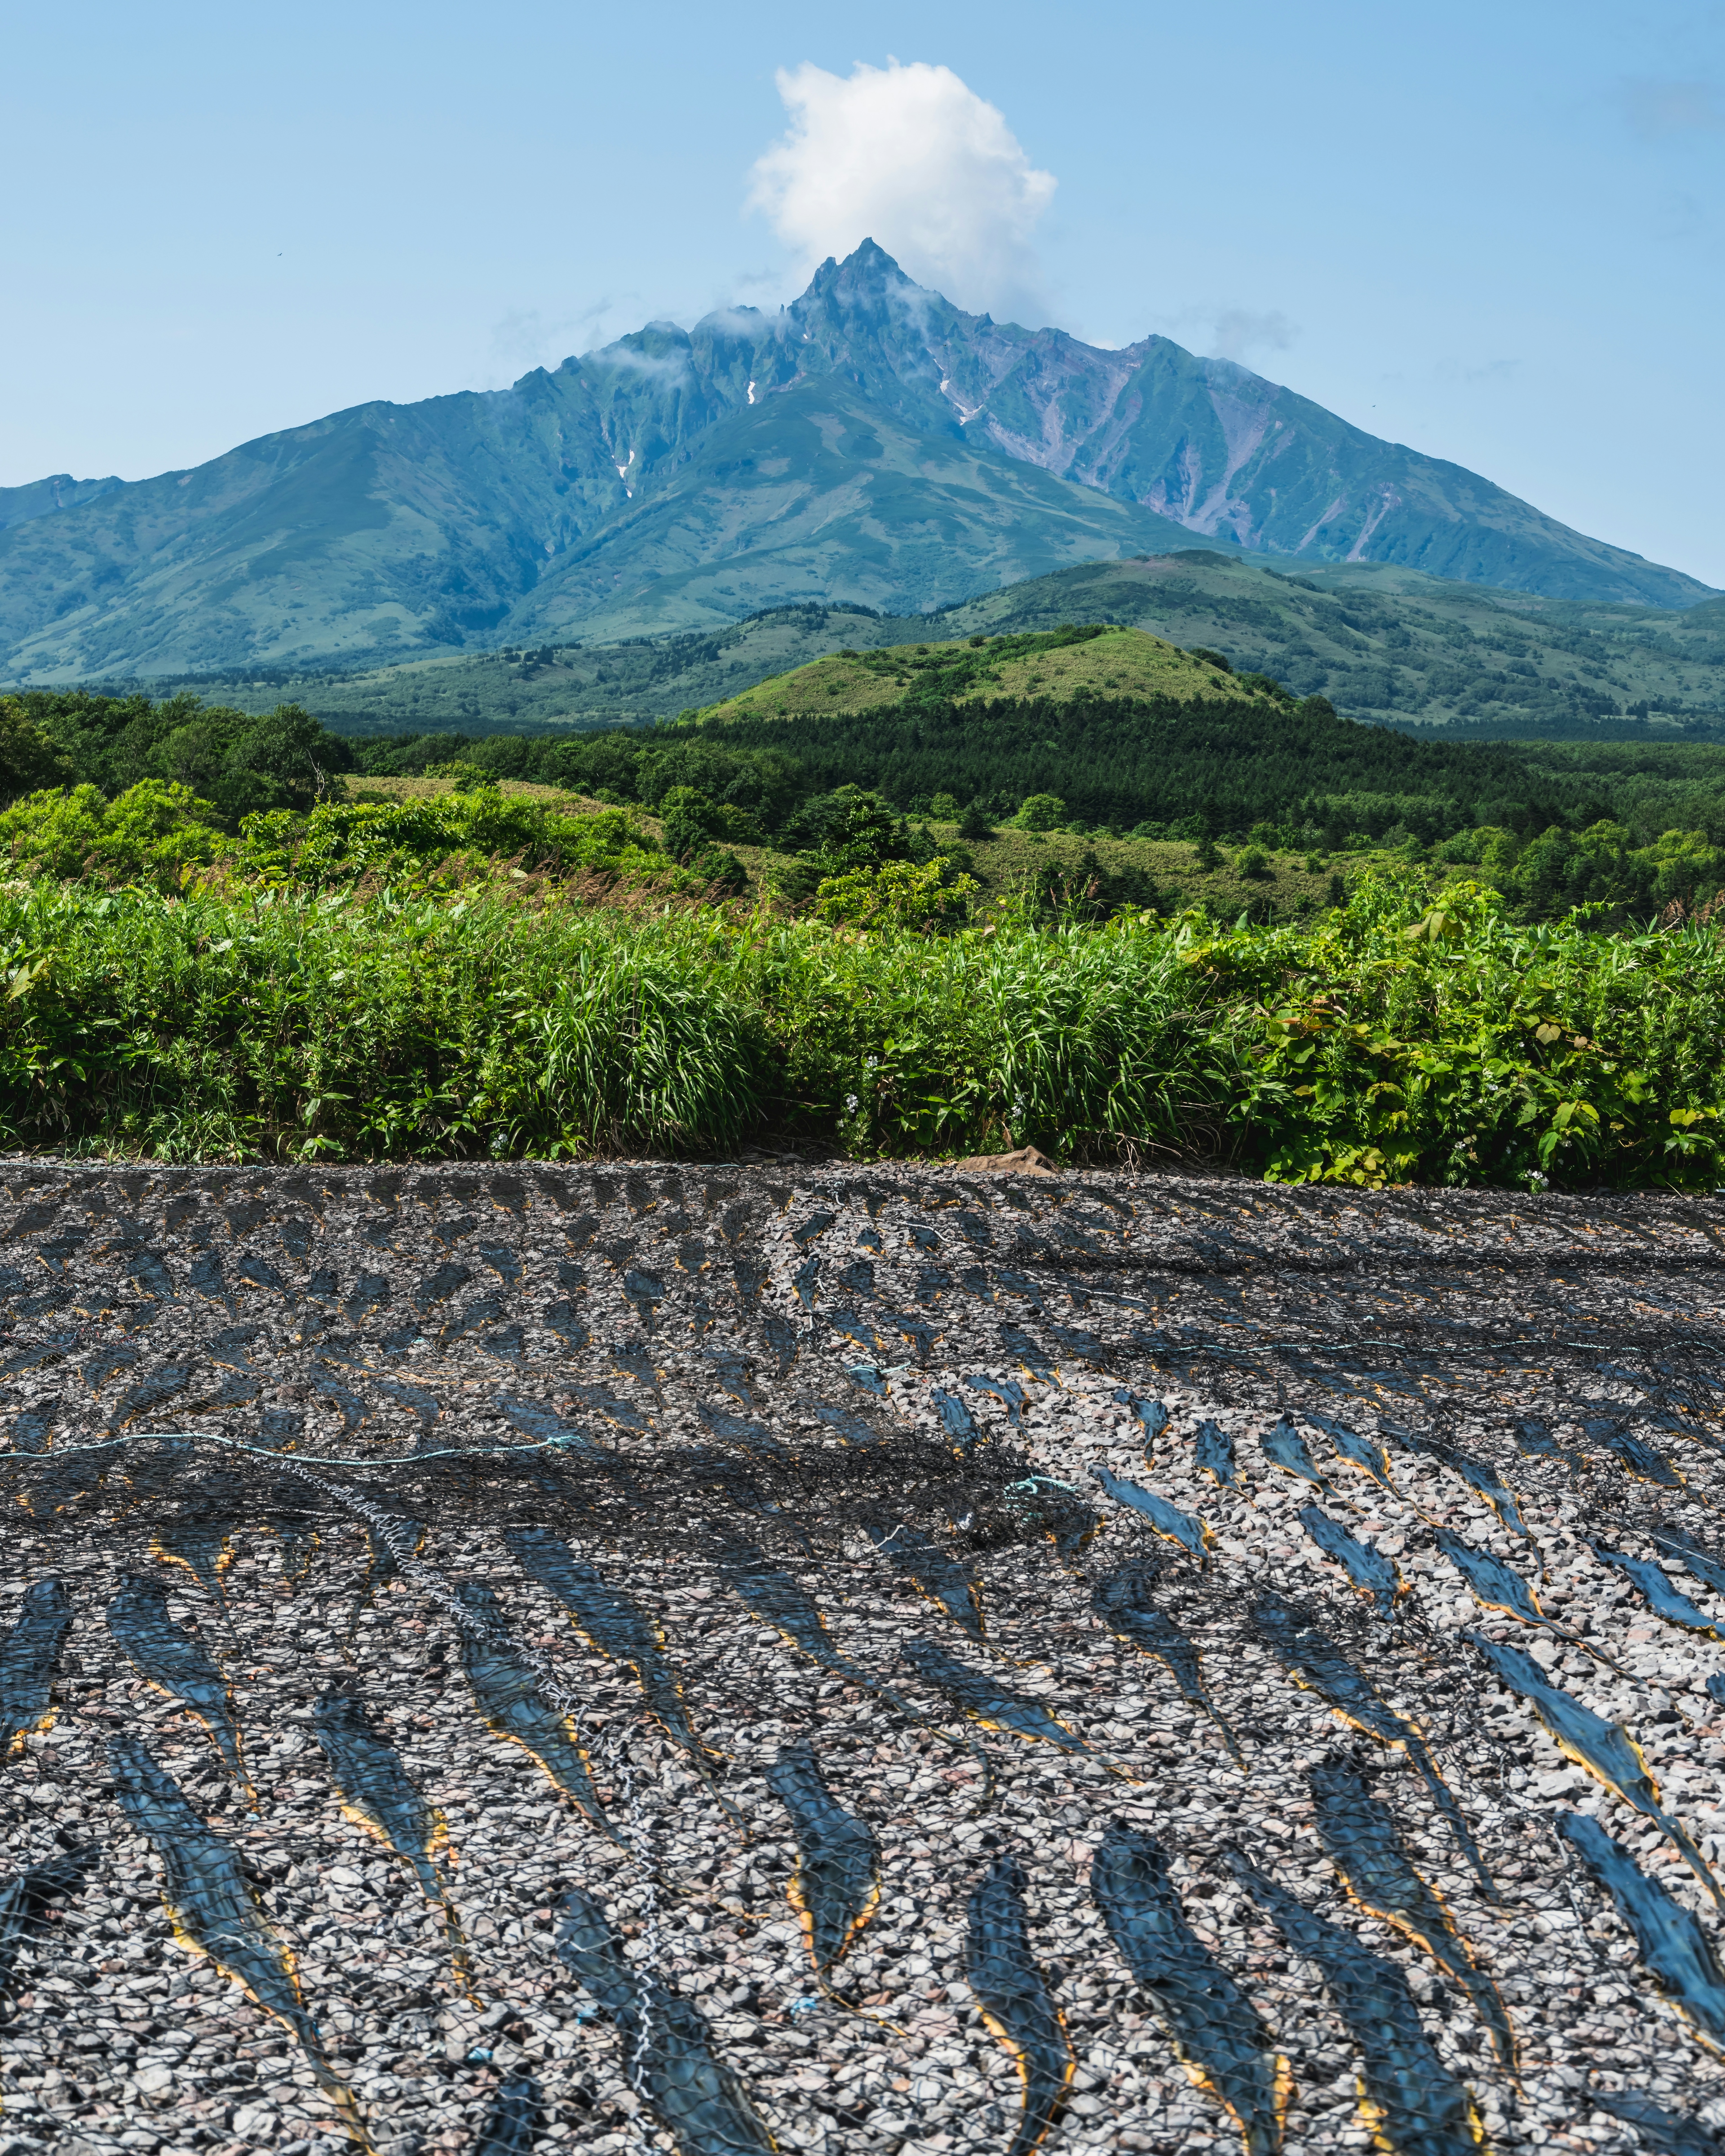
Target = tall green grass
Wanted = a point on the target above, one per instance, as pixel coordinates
(1065, 1036)
(1389, 1042)
(292, 1027)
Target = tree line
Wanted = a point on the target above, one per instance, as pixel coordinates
(1268, 772)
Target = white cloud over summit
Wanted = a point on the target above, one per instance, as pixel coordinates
(1235, 332)
(909, 156)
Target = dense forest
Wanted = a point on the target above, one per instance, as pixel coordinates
(1627, 828)
(1166, 772)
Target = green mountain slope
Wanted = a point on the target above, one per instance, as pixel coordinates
(1124, 728)
(1404, 649)
(1383, 643)
(871, 441)
(389, 534)
(819, 494)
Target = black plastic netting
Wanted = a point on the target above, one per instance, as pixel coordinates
(857, 1658)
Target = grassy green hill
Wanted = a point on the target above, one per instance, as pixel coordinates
(1382, 643)
(1109, 661)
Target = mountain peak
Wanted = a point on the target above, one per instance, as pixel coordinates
(867, 258)
(868, 269)
(668, 479)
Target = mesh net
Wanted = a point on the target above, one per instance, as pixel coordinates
(551, 1514)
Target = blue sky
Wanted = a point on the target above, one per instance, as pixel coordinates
(1495, 233)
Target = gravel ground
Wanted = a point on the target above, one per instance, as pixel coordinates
(395, 1403)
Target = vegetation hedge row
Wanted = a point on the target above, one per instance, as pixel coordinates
(1398, 1038)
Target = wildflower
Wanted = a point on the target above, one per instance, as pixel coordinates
(850, 1104)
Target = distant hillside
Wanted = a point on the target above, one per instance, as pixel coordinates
(1383, 643)
(871, 444)
(1119, 664)
(1208, 751)
(1392, 645)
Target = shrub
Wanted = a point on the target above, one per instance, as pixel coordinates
(794, 882)
(1602, 867)
(1041, 812)
(1409, 1039)
(1089, 892)
(290, 1026)
(761, 786)
(723, 874)
(156, 832)
(464, 776)
(1466, 849)
(1403, 1037)
(693, 821)
(239, 761)
(850, 828)
(414, 840)
(903, 895)
(246, 766)
(690, 820)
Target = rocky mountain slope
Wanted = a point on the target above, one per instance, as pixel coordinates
(871, 443)
(43, 497)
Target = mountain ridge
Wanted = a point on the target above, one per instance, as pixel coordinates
(871, 443)
(42, 497)
(1382, 643)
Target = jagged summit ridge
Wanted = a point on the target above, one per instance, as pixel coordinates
(870, 442)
